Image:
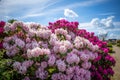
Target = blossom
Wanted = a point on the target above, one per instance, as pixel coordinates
(61, 31)
(16, 65)
(51, 60)
(37, 52)
(26, 78)
(22, 69)
(39, 49)
(44, 64)
(72, 58)
(84, 57)
(62, 49)
(86, 65)
(53, 39)
(2, 23)
(41, 73)
(1, 30)
(27, 63)
(20, 43)
(61, 65)
(59, 76)
(1, 45)
(69, 70)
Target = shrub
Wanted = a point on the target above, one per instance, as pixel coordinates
(59, 52)
(109, 44)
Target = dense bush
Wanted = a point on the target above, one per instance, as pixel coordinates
(101, 68)
(118, 43)
(59, 52)
(109, 45)
(111, 50)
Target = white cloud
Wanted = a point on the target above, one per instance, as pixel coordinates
(24, 8)
(107, 14)
(114, 36)
(103, 26)
(62, 18)
(105, 23)
(30, 8)
(85, 25)
(70, 13)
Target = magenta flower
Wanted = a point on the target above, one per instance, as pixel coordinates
(1, 45)
(2, 24)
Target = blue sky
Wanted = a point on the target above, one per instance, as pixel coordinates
(99, 16)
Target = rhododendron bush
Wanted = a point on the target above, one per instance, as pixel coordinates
(59, 51)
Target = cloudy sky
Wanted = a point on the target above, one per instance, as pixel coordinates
(99, 16)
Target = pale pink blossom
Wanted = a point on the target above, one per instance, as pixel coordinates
(26, 78)
(22, 69)
(27, 63)
(84, 57)
(61, 65)
(16, 65)
(68, 37)
(72, 58)
(69, 70)
(44, 64)
(62, 49)
(41, 73)
(86, 65)
(20, 43)
(61, 31)
(51, 60)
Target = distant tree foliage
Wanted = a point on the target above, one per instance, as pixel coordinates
(12, 20)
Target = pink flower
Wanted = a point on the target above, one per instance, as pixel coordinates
(67, 44)
(61, 31)
(44, 64)
(20, 43)
(34, 44)
(27, 63)
(28, 40)
(29, 55)
(86, 65)
(1, 30)
(62, 49)
(22, 69)
(46, 51)
(84, 57)
(41, 73)
(26, 78)
(59, 76)
(2, 24)
(88, 75)
(68, 37)
(1, 45)
(51, 60)
(56, 49)
(72, 58)
(69, 70)
(105, 50)
(82, 71)
(16, 65)
(61, 65)
(53, 39)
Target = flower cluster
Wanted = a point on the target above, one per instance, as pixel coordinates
(101, 66)
(22, 67)
(60, 51)
(2, 24)
(39, 53)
